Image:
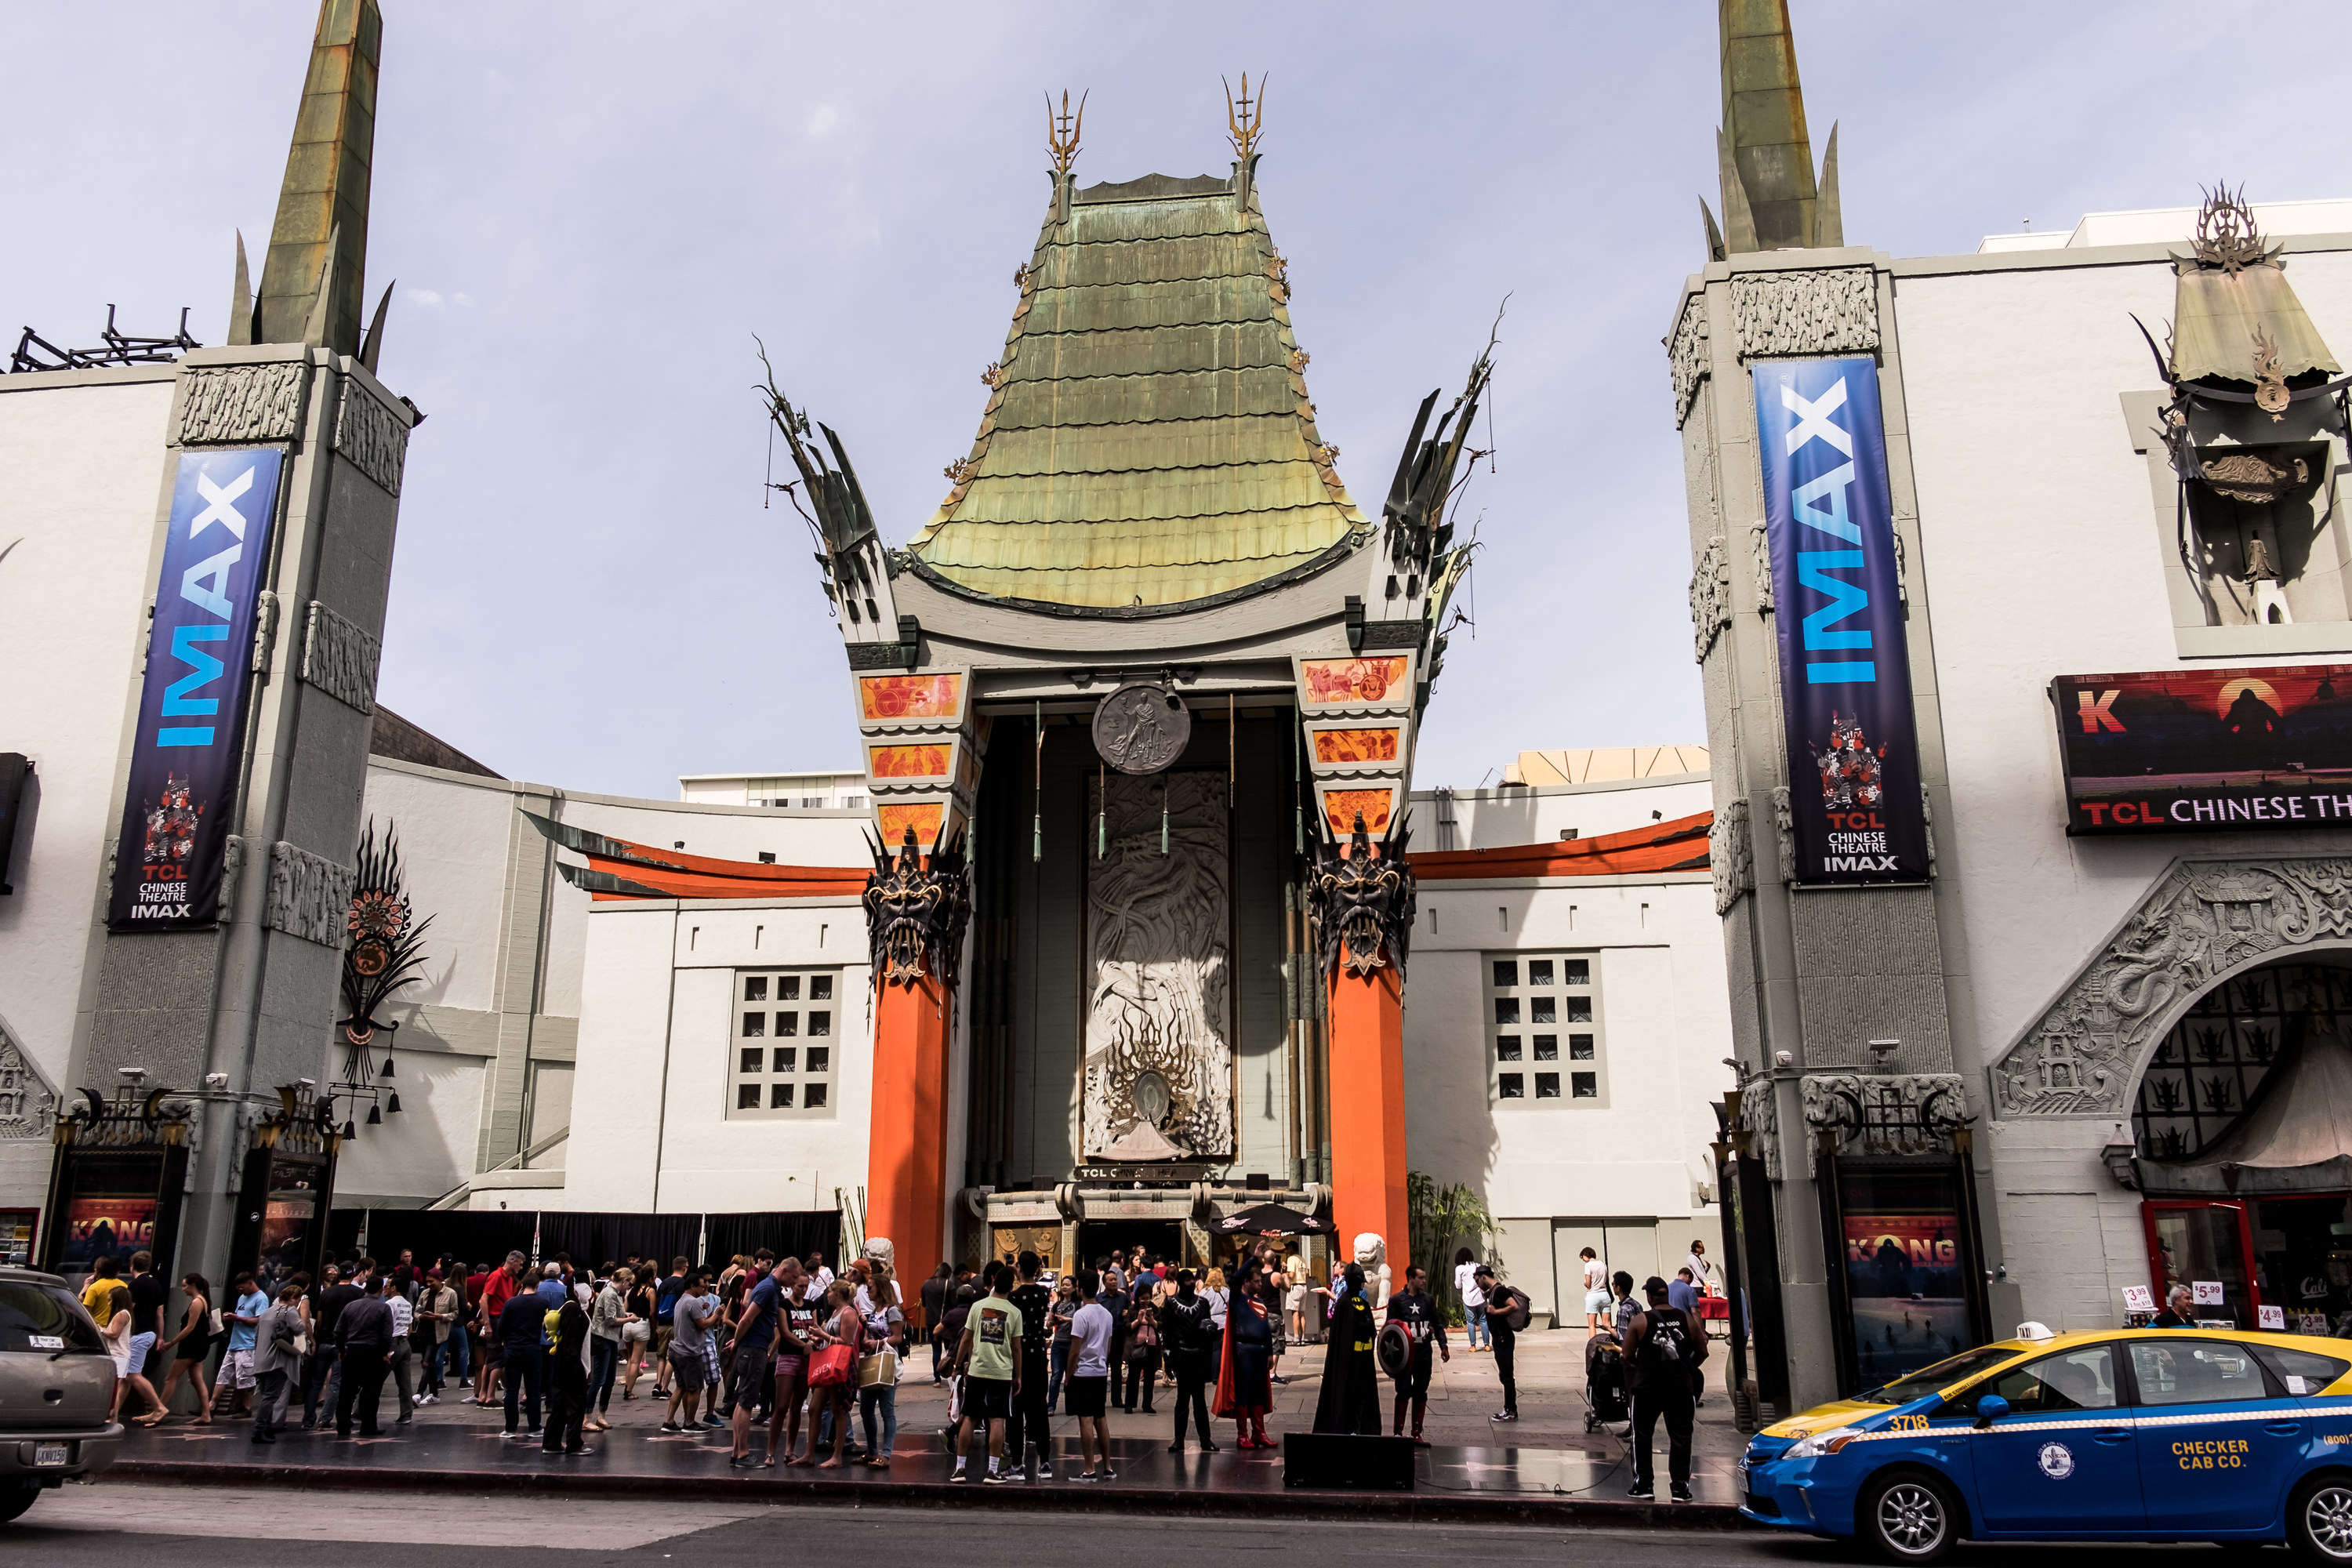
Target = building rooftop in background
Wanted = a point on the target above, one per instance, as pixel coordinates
(1605, 764)
(395, 737)
(2159, 225)
(804, 792)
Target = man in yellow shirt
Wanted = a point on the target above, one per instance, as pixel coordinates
(103, 1279)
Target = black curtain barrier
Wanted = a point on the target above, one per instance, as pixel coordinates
(796, 1234)
(469, 1236)
(592, 1239)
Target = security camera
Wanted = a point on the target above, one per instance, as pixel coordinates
(216, 1081)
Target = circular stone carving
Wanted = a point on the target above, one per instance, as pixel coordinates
(1140, 729)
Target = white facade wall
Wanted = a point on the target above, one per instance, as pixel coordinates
(1560, 1174)
(2044, 552)
(75, 551)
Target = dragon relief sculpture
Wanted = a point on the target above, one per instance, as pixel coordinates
(1363, 907)
(915, 913)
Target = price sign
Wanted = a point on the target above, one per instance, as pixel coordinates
(2138, 1299)
(2205, 1292)
(2270, 1318)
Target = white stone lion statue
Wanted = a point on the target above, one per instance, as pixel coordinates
(1372, 1254)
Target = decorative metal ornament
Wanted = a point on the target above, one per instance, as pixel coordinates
(1142, 729)
(916, 914)
(1363, 908)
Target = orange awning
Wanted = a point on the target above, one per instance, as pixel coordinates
(1676, 845)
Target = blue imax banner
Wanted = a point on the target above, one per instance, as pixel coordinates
(1845, 674)
(176, 813)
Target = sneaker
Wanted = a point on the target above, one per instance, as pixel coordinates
(1505, 1415)
(671, 1427)
(960, 1475)
(1642, 1489)
(1681, 1491)
(1108, 1474)
(432, 1399)
(1043, 1470)
(1086, 1476)
(994, 1479)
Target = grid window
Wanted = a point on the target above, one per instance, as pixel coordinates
(1544, 989)
(786, 1080)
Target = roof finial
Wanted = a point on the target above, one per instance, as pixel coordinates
(1062, 132)
(1244, 127)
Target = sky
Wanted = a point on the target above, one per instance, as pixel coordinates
(591, 209)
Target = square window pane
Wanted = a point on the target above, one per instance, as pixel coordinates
(1580, 1009)
(820, 1060)
(784, 1058)
(819, 1023)
(1579, 971)
(1584, 1085)
(788, 988)
(1506, 1009)
(1543, 1010)
(1506, 1047)
(1547, 1048)
(815, 1097)
(788, 1023)
(747, 1097)
(1547, 1086)
(820, 987)
(754, 1025)
(780, 1097)
(755, 988)
(1538, 970)
(1579, 1047)
(1512, 1085)
(1506, 973)
(751, 1060)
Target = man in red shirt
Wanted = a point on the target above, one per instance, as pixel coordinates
(496, 1291)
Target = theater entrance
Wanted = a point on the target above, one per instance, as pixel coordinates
(1098, 1238)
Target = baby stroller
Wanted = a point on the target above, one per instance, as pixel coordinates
(1604, 1384)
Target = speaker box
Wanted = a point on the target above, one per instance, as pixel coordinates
(1347, 1460)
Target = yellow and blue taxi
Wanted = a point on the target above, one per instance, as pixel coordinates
(2188, 1434)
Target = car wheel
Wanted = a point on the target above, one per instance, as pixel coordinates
(1909, 1519)
(15, 1500)
(2320, 1519)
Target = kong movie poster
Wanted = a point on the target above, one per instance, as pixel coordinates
(2201, 751)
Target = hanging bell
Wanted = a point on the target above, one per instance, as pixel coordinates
(350, 1130)
(387, 1069)
(375, 1116)
(393, 1104)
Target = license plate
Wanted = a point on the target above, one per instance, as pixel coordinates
(52, 1453)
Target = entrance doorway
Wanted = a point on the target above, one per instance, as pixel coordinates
(1163, 1238)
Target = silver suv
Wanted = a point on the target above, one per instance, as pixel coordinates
(57, 1386)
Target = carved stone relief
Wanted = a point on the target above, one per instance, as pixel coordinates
(29, 1106)
(1159, 1052)
(1829, 311)
(374, 438)
(1729, 856)
(242, 403)
(232, 868)
(1927, 824)
(1710, 597)
(309, 895)
(340, 659)
(1760, 1115)
(2202, 918)
(1688, 356)
(1784, 830)
(1759, 565)
(1898, 1114)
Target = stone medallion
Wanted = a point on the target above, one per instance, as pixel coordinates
(1141, 728)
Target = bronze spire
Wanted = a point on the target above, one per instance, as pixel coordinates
(313, 271)
(1764, 154)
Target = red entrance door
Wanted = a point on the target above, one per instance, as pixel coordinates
(2199, 1242)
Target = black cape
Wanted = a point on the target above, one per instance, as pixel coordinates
(1351, 1400)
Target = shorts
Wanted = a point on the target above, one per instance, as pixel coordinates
(790, 1364)
(635, 1333)
(1297, 1299)
(136, 1363)
(1086, 1396)
(750, 1369)
(688, 1367)
(661, 1332)
(1596, 1303)
(236, 1371)
(494, 1355)
(988, 1398)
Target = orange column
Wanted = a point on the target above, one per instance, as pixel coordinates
(1367, 1096)
(905, 1179)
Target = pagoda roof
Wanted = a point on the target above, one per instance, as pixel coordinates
(1148, 443)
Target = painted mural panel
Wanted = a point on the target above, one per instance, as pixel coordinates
(896, 817)
(909, 696)
(922, 762)
(1340, 807)
(1334, 746)
(1355, 681)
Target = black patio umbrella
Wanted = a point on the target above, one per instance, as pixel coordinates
(1273, 1219)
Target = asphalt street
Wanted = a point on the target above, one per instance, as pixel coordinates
(214, 1527)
